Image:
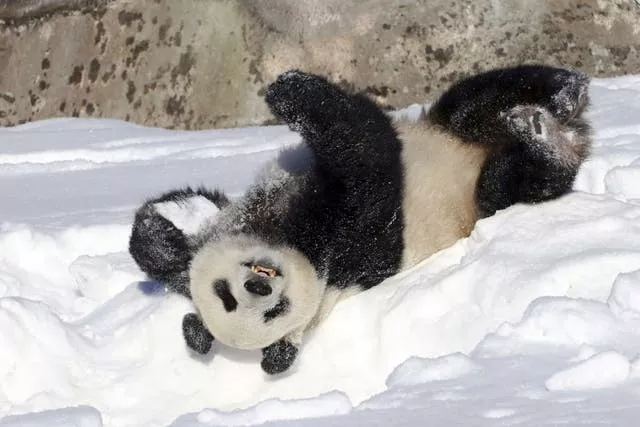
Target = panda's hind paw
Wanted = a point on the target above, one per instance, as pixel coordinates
(572, 98)
(299, 98)
(529, 122)
(278, 357)
(196, 335)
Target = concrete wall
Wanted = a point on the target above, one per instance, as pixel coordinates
(196, 64)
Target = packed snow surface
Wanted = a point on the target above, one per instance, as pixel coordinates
(534, 320)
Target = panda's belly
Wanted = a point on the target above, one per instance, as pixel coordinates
(439, 194)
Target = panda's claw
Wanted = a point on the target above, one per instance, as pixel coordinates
(278, 357)
(196, 335)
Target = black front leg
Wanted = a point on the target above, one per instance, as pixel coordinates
(196, 335)
(344, 130)
(278, 357)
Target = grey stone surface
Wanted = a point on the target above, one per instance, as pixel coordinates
(23, 10)
(195, 64)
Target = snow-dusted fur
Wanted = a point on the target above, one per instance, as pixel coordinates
(278, 304)
(363, 198)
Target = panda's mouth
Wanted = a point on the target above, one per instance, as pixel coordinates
(263, 270)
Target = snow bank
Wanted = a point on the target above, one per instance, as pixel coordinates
(606, 369)
(418, 370)
(329, 404)
(81, 416)
(531, 319)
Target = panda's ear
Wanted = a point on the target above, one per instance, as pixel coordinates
(160, 249)
(166, 230)
(217, 197)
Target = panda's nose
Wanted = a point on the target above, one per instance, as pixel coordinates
(258, 287)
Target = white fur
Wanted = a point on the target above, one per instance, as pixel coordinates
(441, 174)
(245, 327)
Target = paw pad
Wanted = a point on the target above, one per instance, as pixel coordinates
(528, 120)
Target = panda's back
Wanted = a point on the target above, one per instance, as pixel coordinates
(441, 173)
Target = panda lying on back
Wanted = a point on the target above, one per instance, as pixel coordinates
(361, 199)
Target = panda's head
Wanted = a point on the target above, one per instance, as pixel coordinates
(250, 294)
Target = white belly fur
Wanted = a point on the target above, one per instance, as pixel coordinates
(440, 179)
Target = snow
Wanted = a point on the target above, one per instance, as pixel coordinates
(534, 320)
(80, 416)
(333, 403)
(606, 369)
(417, 370)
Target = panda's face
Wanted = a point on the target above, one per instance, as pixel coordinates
(250, 294)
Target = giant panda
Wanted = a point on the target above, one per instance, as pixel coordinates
(363, 197)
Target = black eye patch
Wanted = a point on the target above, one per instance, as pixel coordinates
(279, 309)
(221, 288)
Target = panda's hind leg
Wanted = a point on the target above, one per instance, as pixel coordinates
(472, 108)
(544, 136)
(538, 164)
(278, 357)
(195, 334)
(341, 128)
(530, 119)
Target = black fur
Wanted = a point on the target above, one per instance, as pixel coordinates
(279, 309)
(216, 197)
(222, 290)
(348, 222)
(196, 335)
(520, 166)
(528, 169)
(472, 108)
(278, 357)
(159, 248)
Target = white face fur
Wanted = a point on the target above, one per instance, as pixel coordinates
(250, 294)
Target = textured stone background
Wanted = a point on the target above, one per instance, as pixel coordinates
(195, 64)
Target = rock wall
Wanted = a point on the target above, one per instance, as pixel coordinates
(195, 64)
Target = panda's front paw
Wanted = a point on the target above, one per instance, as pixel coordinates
(196, 335)
(297, 97)
(278, 357)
